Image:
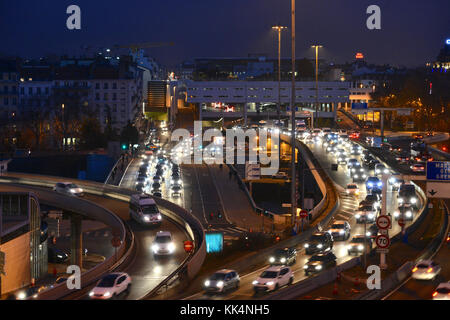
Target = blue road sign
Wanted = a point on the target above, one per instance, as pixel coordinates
(359, 105)
(438, 170)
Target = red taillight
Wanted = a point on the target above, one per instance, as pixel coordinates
(429, 270)
(435, 294)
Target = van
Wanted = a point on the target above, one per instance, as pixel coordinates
(143, 209)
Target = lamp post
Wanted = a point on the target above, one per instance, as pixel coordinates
(293, 176)
(64, 126)
(279, 28)
(317, 84)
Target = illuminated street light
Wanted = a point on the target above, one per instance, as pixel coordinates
(279, 28)
(317, 84)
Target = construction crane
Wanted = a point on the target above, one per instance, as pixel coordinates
(137, 46)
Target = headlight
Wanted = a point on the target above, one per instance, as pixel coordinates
(91, 294)
(370, 216)
(368, 234)
(72, 190)
(107, 294)
(320, 246)
(409, 214)
(283, 260)
(272, 260)
(155, 248)
(396, 214)
(220, 284)
(270, 283)
(159, 217)
(413, 200)
(364, 175)
(21, 296)
(59, 256)
(341, 232)
(356, 176)
(207, 283)
(255, 282)
(305, 267)
(306, 245)
(357, 216)
(360, 247)
(146, 218)
(349, 247)
(386, 171)
(379, 184)
(400, 200)
(370, 184)
(318, 267)
(171, 247)
(377, 171)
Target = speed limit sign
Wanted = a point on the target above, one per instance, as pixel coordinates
(382, 241)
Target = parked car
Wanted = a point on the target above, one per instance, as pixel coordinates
(222, 281)
(111, 285)
(273, 278)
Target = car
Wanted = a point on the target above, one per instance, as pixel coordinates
(394, 182)
(68, 188)
(372, 231)
(357, 173)
(404, 211)
(156, 186)
(316, 132)
(352, 189)
(110, 286)
(320, 262)
(163, 244)
(28, 293)
(372, 164)
(381, 169)
(373, 199)
(319, 241)
(340, 230)
(407, 194)
(403, 157)
(356, 245)
(157, 179)
(273, 278)
(426, 270)
(353, 162)
(221, 281)
(56, 255)
(285, 256)
(141, 180)
(366, 214)
(448, 239)
(157, 194)
(442, 292)
(367, 160)
(418, 167)
(61, 279)
(374, 185)
(175, 191)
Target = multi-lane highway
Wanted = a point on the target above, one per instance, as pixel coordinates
(348, 206)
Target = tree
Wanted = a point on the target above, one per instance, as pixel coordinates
(91, 135)
(129, 134)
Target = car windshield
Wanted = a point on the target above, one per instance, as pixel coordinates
(366, 208)
(280, 252)
(269, 274)
(217, 276)
(373, 180)
(443, 290)
(358, 240)
(108, 281)
(316, 237)
(163, 239)
(338, 226)
(72, 186)
(317, 258)
(352, 186)
(150, 209)
(422, 266)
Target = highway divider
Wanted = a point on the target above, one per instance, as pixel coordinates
(185, 219)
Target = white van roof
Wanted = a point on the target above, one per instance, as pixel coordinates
(143, 199)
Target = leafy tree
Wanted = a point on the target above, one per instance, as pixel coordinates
(91, 134)
(129, 134)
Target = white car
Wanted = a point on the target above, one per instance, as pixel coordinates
(163, 244)
(442, 292)
(426, 270)
(381, 169)
(352, 189)
(273, 278)
(111, 285)
(68, 188)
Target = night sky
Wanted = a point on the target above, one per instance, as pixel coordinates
(412, 31)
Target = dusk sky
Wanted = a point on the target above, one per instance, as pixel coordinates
(413, 31)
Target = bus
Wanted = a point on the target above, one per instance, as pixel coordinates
(143, 209)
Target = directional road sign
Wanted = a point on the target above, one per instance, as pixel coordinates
(438, 190)
(438, 170)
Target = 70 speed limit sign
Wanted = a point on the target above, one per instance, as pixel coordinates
(382, 241)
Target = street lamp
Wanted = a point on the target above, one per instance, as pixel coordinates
(64, 126)
(293, 176)
(317, 84)
(279, 28)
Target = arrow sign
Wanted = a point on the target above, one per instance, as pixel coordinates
(432, 192)
(439, 190)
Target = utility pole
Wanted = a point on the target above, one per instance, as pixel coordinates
(317, 85)
(293, 176)
(279, 28)
(64, 127)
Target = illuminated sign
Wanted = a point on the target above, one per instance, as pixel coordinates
(359, 55)
(447, 41)
(214, 242)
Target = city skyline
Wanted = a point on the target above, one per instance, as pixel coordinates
(224, 31)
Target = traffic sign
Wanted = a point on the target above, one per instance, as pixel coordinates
(116, 242)
(384, 222)
(382, 241)
(401, 222)
(379, 250)
(438, 190)
(303, 214)
(188, 246)
(438, 170)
